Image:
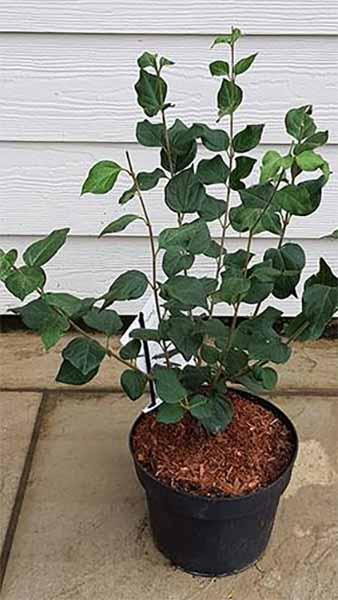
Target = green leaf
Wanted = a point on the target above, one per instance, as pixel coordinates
(258, 196)
(248, 138)
(244, 166)
(234, 361)
(209, 284)
(215, 140)
(187, 290)
(197, 404)
(309, 160)
(168, 386)
(128, 286)
(101, 177)
(193, 377)
(271, 164)
(184, 193)
(84, 354)
(40, 317)
(51, 335)
(264, 271)
(320, 299)
(175, 260)
(269, 378)
(239, 259)
(183, 148)
(184, 334)
(212, 208)
(232, 289)
(289, 260)
(259, 291)
(169, 413)
(215, 415)
(219, 68)
(130, 350)
(209, 354)
(243, 218)
(319, 305)
(133, 383)
(106, 321)
(212, 171)
(230, 38)
(7, 261)
(151, 92)
(213, 250)
(24, 281)
(314, 141)
(127, 195)
(259, 379)
(165, 62)
(229, 98)
(149, 134)
(148, 335)
(119, 224)
(244, 64)
(69, 304)
(40, 252)
(148, 181)
(35, 315)
(299, 124)
(193, 237)
(302, 199)
(147, 60)
(215, 329)
(258, 337)
(70, 375)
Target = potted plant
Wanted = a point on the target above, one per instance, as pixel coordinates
(213, 458)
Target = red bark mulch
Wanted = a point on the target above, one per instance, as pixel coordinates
(252, 452)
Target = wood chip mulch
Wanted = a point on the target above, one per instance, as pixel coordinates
(252, 452)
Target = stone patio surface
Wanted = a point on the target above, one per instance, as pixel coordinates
(83, 533)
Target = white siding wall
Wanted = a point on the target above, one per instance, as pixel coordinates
(67, 71)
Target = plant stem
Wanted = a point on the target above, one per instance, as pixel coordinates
(167, 142)
(286, 222)
(152, 247)
(106, 348)
(228, 187)
(247, 258)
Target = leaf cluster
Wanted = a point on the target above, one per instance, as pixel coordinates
(198, 355)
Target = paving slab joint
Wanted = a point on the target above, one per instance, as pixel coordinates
(20, 493)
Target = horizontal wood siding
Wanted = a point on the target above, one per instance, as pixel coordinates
(81, 88)
(87, 266)
(174, 16)
(67, 101)
(40, 187)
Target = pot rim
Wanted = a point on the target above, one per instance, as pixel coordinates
(211, 499)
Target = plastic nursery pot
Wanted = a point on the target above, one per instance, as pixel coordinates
(214, 536)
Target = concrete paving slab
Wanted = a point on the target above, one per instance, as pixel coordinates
(18, 413)
(313, 365)
(38, 368)
(83, 532)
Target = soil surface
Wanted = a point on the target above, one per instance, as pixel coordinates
(252, 452)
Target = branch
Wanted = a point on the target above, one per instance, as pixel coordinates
(152, 247)
(228, 191)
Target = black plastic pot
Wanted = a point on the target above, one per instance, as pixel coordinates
(214, 536)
